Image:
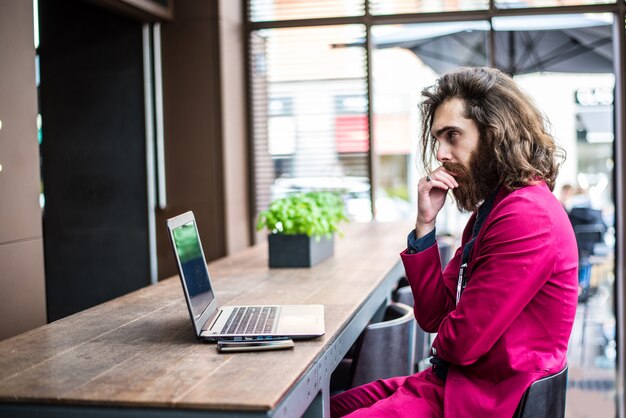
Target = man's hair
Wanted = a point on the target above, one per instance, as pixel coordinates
(507, 118)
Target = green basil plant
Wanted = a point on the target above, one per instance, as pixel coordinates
(315, 214)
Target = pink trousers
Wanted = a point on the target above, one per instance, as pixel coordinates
(419, 395)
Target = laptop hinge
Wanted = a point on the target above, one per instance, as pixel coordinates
(209, 324)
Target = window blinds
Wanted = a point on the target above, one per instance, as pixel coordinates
(309, 113)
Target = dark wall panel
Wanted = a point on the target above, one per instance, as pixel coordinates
(93, 155)
(193, 135)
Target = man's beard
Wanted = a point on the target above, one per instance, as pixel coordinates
(476, 182)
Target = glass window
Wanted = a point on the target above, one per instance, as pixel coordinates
(310, 114)
(270, 10)
(513, 4)
(391, 7)
(580, 109)
(310, 106)
(405, 60)
(565, 63)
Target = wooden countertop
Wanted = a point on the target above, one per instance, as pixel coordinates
(140, 349)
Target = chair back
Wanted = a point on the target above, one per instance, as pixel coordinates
(545, 398)
(422, 338)
(385, 349)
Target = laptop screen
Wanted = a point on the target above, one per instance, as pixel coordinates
(194, 271)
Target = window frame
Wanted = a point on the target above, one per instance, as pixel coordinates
(617, 9)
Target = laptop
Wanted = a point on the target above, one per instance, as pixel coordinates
(213, 322)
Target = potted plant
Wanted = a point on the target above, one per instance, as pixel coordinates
(301, 228)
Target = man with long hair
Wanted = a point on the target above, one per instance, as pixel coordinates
(504, 306)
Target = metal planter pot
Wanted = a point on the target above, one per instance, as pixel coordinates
(298, 250)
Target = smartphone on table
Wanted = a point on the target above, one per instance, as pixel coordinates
(254, 344)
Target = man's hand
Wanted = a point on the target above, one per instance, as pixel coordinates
(431, 195)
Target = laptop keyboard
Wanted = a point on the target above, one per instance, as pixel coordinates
(250, 320)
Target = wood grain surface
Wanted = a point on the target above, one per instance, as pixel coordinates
(140, 349)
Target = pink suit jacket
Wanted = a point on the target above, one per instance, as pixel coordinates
(513, 322)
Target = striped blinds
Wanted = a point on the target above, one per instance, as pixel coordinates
(273, 10)
(309, 113)
(513, 4)
(390, 7)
